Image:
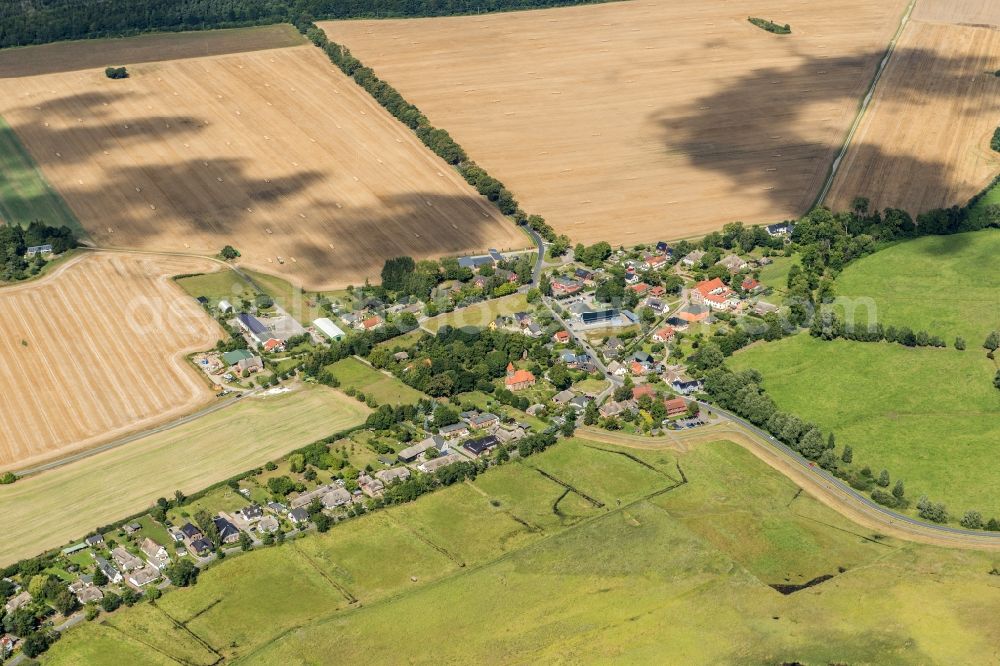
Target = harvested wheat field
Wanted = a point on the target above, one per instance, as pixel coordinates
(96, 349)
(924, 142)
(633, 120)
(275, 152)
(971, 12)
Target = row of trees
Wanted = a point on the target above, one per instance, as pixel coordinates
(828, 326)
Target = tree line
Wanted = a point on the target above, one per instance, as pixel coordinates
(15, 241)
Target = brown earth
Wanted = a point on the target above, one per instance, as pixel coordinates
(924, 142)
(634, 121)
(96, 349)
(274, 152)
(100, 53)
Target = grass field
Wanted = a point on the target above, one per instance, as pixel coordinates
(946, 285)
(25, 196)
(775, 276)
(680, 578)
(94, 350)
(216, 286)
(637, 121)
(122, 481)
(940, 80)
(929, 416)
(275, 152)
(100, 53)
(480, 314)
(386, 389)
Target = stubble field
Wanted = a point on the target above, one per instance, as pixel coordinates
(46, 510)
(924, 142)
(96, 349)
(635, 120)
(275, 152)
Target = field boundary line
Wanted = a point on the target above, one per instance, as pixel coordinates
(184, 626)
(347, 594)
(863, 106)
(458, 561)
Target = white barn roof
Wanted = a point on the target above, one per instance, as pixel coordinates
(329, 328)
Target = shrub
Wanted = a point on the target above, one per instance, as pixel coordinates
(116, 73)
(995, 141)
(771, 26)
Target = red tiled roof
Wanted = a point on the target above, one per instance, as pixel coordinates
(272, 343)
(749, 284)
(675, 405)
(520, 377)
(665, 333)
(641, 390)
(372, 322)
(639, 288)
(708, 286)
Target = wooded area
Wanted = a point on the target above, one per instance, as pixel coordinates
(43, 21)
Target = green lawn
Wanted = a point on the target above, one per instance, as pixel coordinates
(775, 276)
(929, 416)
(946, 285)
(680, 578)
(221, 285)
(25, 196)
(480, 314)
(386, 389)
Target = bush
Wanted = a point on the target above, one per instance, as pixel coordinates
(7, 478)
(116, 73)
(995, 141)
(771, 26)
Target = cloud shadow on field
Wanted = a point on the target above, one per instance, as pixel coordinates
(230, 200)
(749, 125)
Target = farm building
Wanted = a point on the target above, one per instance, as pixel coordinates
(253, 327)
(38, 249)
(329, 329)
(481, 445)
(225, 306)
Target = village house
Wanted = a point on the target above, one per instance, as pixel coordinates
(371, 323)
(617, 369)
(640, 288)
(750, 285)
(370, 486)
(191, 532)
(675, 406)
(454, 430)
(95, 540)
(108, 569)
(656, 305)
(411, 453)
(563, 397)
(85, 591)
(200, 547)
(631, 277)
(560, 337)
(733, 263)
(654, 262)
(434, 464)
(563, 287)
(125, 560)
(228, 533)
(155, 553)
(19, 600)
(643, 390)
(714, 294)
(390, 476)
(144, 576)
(518, 380)
(274, 344)
(268, 525)
(507, 435)
(298, 516)
(779, 229)
(250, 513)
(481, 445)
(693, 258)
(611, 408)
(252, 364)
(479, 421)
(585, 276)
(664, 334)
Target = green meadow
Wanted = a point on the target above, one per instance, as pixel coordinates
(488, 572)
(929, 416)
(945, 285)
(386, 389)
(25, 195)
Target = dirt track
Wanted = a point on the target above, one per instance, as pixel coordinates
(636, 120)
(924, 142)
(827, 493)
(274, 152)
(96, 350)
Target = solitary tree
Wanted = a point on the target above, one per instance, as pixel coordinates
(992, 341)
(229, 253)
(898, 490)
(960, 343)
(848, 456)
(883, 478)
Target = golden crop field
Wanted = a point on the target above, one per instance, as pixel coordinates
(275, 152)
(634, 121)
(95, 350)
(46, 510)
(924, 142)
(972, 12)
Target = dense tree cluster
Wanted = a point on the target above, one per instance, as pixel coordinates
(41, 21)
(15, 241)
